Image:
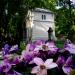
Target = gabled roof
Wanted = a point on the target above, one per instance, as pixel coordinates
(42, 10)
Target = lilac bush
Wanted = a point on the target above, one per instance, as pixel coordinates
(45, 54)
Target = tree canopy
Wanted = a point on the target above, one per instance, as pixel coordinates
(13, 13)
(65, 17)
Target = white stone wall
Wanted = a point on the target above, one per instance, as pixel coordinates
(39, 30)
(39, 26)
(38, 16)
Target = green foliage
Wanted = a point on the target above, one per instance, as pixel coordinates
(62, 17)
(59, 43)
(22, 45)
(65, 18)
(72, 72)
(13, 15)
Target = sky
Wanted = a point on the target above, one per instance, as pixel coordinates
(73, 1)
(57, 7)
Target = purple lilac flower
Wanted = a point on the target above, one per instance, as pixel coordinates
(1, 69)
(39, 42)
(33, 46)
(41, 68)
(69, 62)
(51, 53)
(30, 47)
(13, 59)
(68, 65)
(60, 61)
(28, 55)
(52, 46)
(14, 48)
(17, 73)
(6, 49)
(70, 48)
(66, 43)
(5, 66)
(66, 70)
(13, 73)
(42, 47)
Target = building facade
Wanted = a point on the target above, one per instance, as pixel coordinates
(38, 22)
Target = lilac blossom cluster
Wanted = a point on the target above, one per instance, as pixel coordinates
(44, 54)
